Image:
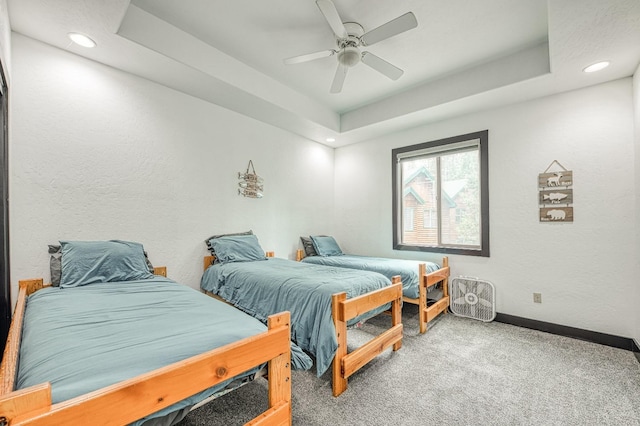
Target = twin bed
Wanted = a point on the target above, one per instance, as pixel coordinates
(418, 278)
(323, 301)
(116, 344)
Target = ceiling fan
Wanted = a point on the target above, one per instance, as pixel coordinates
(350, 38)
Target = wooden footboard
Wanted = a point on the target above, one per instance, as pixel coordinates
(153, 391)
(343, 310)
(427, 313)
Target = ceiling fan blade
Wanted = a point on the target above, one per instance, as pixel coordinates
(381, 66)
(395, 26)
(309, 57)
(338, 79)
(330, 13)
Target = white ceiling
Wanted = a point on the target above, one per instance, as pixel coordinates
(463, 56)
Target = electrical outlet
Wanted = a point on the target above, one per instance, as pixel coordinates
(537, 297)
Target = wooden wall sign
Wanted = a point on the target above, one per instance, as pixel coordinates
(555, 194)
(251, 185)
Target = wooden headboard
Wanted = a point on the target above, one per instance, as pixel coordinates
(208, 260)
(160, 270)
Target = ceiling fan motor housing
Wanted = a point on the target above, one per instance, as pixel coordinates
(349, 55)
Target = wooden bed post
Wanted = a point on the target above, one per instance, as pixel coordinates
(396, 311)
(208, 261)
(279, 374)
(31, 286)
(299, 255)
(445, 282)
(280, 370)
(422, 298)
(339, 381)
(160, 270)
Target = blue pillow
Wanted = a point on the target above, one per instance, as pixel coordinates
(90, 262)
(326, 246)
(237, 248)
(55, 263)
(208, 240)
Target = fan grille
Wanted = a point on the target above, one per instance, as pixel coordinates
(473, 298)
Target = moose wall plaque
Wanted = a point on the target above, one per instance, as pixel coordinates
(555, 194)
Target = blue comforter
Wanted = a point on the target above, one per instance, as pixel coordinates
(85, 338)
(262, 288)
(407, 269)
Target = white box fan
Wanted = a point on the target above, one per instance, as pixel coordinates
(472, 298)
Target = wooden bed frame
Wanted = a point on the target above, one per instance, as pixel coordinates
(346, 363)
(150, 392)
(426, 313)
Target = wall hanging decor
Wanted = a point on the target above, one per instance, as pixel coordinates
(251, 185)
(555, 196)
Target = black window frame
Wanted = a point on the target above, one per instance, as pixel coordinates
(483, 138)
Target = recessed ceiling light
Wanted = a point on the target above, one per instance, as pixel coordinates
(596, 67)
(330, 139)
(82, 40)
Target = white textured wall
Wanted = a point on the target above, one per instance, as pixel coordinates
(636, 121)
(585, 270)
(96, 153)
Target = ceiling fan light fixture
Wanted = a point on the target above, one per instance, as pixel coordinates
(349, 56)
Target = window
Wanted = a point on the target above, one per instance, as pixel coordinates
(430, 218)
(448, 181)
(408, 219)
